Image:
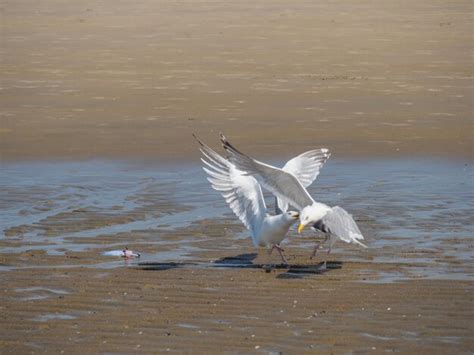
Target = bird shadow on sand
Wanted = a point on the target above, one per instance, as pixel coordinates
(246, 261)
(152, 266)
(302, 271)
(243, 261)
(296, 271)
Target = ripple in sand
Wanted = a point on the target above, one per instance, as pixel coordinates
(446, 114)
(391, 124)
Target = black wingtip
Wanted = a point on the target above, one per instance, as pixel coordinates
(224, 140)
(226, 144)
(198, 140)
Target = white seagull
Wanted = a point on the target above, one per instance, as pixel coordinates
(334, 222)
(244, 195)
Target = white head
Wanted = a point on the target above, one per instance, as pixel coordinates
(292, 216)
(311, 214)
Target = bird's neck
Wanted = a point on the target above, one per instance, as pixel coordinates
(283, 220)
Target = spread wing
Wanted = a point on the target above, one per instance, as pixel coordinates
(340, 223)
(282, 184)
(242, 192)
(305, 167)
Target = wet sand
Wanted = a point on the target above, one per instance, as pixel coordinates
(199, 285)
(130, 310)
(131, 79)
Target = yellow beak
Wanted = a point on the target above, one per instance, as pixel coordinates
(301, 227)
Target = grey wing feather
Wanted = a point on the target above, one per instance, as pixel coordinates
(340, 223)
(282, 184)
(242, 192)
(305, 167)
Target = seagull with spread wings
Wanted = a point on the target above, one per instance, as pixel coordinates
(244, 195)
(334, 222)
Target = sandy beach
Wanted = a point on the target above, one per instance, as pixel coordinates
(98, 102)
(131, 79)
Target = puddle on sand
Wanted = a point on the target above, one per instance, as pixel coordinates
(54, 316)
(40, 293)
(45, 289)
(188, 326)
(50, 206)
(411, 211)
(376, 337)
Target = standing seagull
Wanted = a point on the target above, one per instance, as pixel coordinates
(335, 222)
(243, 194)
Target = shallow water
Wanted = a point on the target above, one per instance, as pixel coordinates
(411, 211)
(48, 317)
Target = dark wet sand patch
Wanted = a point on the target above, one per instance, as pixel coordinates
(239, 309)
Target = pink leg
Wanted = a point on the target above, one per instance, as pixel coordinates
(315, 250)
(280, 251)
(278, 247)
(317, 246)
(331, 243)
